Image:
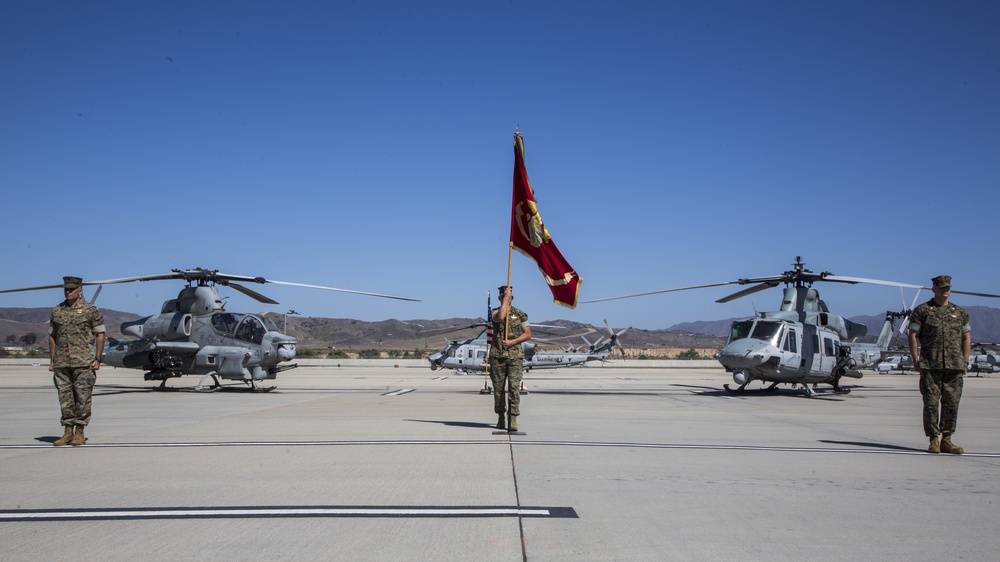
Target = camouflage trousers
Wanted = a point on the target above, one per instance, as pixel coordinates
(75, 386)
(506, 373)
(942, 387)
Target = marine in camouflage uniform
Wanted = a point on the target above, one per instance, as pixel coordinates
(940, 342)
(507, 357)
(76, 340)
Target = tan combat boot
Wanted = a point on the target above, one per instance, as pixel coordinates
(513, 424)
(948, 447)
(66, 438)
(935, 446)
(501, 424)
(78, 439)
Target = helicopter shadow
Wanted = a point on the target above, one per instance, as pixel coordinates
(873, 445)
(454, 423)
(105, 390)
(761, 394)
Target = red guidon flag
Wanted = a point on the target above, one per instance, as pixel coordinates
(530, 237)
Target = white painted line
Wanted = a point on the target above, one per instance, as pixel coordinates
(280, 512)
(399, 392)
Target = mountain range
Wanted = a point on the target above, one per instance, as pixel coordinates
(349, 334)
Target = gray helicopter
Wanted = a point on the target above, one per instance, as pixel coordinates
(802, 343)
(469, 355)
(984, 358)
(194, 334)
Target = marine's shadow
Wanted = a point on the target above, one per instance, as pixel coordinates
(454, 423)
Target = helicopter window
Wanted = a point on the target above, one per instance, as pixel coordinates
(250, 330)
(481, 355)
(225, 322)
(791, 344)
(828, 348)
(739, 330)
(766, 331)
(268, 325)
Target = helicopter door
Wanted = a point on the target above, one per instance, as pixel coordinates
(790, 358)
(828, 351)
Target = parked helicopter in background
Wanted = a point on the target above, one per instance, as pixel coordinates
(194, 334)
(984, 359)
(469, 355)
(802, 343)
(894, 361)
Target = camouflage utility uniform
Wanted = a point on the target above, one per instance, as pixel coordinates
(942, 363)
(74, 330)
(506, 365)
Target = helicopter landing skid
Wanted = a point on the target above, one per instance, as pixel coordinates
(201, 383)
(255, 388)
(742, 388)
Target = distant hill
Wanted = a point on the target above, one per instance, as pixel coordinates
(424, 335)
(349, 334)
(18, 322)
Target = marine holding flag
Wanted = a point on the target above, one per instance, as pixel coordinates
(530, 237)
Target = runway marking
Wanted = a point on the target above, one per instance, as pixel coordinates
(873, 449)
(124, 514)
(399, 392)
(439, 378)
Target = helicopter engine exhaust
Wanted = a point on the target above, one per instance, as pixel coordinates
(168, 326)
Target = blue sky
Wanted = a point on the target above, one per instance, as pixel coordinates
(368, 146)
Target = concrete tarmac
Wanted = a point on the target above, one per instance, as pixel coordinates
(404, 464)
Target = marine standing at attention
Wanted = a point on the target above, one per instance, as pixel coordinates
(507, 357)
(76, 341)
(940, 342)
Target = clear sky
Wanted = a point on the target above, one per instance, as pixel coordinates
(369, 145)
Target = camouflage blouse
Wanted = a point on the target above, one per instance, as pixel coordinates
(518, 322)
(939, 331)
(74, 330)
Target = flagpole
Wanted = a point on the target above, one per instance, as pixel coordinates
(489, 345)
(506, 320)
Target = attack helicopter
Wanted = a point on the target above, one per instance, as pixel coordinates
(195, 335)
(984, 359)
(802, 343)
(469, 355)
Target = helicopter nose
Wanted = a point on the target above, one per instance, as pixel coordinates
(286, 351)
(435, 361)
(745, 354)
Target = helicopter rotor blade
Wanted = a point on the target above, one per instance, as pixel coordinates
(663, 291)
(341, 290)
(854, 280)
(97, 293)
(906, 320)
(749, 291)
(251, 293)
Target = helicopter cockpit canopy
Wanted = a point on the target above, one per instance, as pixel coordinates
(226, 322)
(251, 329)
(764, 330)
(246, 327)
